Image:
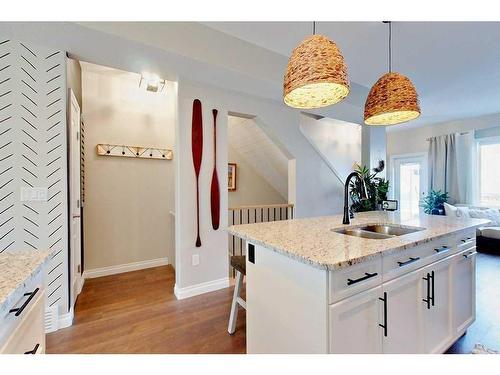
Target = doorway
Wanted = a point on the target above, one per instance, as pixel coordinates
(409, 173)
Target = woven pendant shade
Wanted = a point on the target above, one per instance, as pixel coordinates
(392, 100)
(316, 75)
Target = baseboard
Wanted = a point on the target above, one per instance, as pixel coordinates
(80, 281)
(66, 320)
(54, 321)
(113, 270)
(195, 290)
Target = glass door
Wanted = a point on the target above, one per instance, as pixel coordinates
(410, 183)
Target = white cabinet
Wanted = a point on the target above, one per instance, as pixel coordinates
(28, 336)
(354, 324)
(425, 310)
(404, 314)
(436, 293)
(463, 270)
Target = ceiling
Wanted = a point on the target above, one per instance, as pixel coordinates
(255, 147)
(454, 65)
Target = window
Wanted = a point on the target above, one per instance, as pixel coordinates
(489, 173)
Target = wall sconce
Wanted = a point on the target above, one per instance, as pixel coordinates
(151, 82)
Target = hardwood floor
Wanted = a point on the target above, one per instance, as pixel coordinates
(137, 312)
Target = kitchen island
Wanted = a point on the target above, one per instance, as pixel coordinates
(383, 284)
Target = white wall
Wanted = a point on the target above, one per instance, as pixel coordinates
(338, 142)
(33, 154)
(251, 187)
(128, 201)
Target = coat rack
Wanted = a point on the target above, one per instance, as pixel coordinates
(134, 151)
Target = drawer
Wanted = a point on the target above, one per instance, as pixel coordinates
(28, 336)
(348, 281)
(404, 261)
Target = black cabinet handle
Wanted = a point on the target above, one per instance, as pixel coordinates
(432, 287)
(467, 239)
(19, 310)
(366, 277)
(442, 248)
(428, 299)
(411, 260)
(34, 350)
(384, 326)
(466, 256)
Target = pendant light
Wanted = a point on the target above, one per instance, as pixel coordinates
(316, 75)
(392, 99)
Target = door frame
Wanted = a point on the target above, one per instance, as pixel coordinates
(424, 156)
(72, 276)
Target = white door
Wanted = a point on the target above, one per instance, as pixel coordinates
(74, 194)
(437, 314)
(354, 324)
(463, 274)
(404, 314)
(409, 175)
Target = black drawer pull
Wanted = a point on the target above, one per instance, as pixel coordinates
(34, 350)
(442, 248)
(467, 239)
(466, 256)
(384, 326)
(411, 260)
(19, 310)
(366, 277)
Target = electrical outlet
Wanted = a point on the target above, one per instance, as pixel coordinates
(34, 194)
(196, 259)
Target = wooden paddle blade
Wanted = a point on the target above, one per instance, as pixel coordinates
(215, 200)
(197, 136)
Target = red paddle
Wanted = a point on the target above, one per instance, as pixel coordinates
(197, 149)
(214, 188)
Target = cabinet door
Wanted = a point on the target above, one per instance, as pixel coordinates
(436, 286)
(354, 323)
(463, 276)
(404, 314)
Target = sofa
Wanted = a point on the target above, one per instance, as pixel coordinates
(488, 237)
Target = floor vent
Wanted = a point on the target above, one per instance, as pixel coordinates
(51, 319)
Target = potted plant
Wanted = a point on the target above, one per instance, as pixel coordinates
(377, 188)
(433, 203)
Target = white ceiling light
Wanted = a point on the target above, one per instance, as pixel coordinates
(151, 82)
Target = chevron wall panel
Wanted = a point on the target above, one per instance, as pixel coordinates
(33, 154)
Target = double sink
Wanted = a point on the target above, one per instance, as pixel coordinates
(377, 231)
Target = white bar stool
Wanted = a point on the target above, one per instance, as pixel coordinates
(238, 263)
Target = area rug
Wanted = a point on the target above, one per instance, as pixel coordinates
(481, 349)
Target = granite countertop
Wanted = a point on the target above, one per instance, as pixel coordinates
(16, 269)
(313, 241)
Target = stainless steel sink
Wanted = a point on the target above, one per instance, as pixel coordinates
(377, 231)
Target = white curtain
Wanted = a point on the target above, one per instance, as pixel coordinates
(451, 161)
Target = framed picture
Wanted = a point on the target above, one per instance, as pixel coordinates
(231, 176)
